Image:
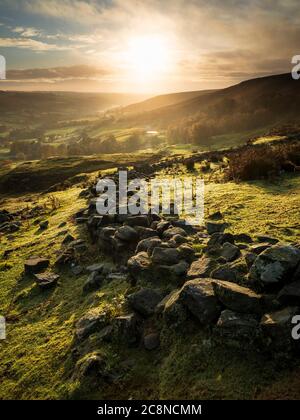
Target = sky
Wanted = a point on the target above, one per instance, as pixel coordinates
(145, 46)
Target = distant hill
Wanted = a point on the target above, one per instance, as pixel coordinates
(248, 105)
(63, 102)
(161, 101)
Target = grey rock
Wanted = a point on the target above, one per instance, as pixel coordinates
(275, 264)
(93, 282)
(259, 248)
(162, 226)
(199, 297)
(214, 227)
(230, 252)
(139, 266)
(46, 280)
(218, 239)
(91, 322)
(201, 268)
(267, 239)
(250, 257)
(238, 329)
(36, 265)
(172, 231)
(127, 328)
(165, 256)
(147, 245)
(144, 301)
(126, 234)
(243, 237)
(238, 298)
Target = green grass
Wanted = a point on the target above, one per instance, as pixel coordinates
(36, 359)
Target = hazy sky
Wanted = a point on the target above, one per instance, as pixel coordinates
(145, 45)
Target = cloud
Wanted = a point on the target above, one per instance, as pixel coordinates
(57, 73)
(27, 32)
(31, 44)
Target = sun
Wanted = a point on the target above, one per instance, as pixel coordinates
(148, 57)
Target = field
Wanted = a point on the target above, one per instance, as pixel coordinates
(41, 325)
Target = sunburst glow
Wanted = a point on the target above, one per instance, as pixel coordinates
(148, 57)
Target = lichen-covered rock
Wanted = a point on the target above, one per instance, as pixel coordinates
(144, 301)
(230, 252)
(238, 298)
(126, 234)
(174, 312)
(275, 265)
(91, 365)
(91, 322)
(199, 297)
(127, 328)
(218, 239)
(201, 268)
(139, 266)
(172, 231)
(215, 227)
(147, 245)
(35, 265)
(277, 331)
(237, 329)
(165, 256)
(46, 280)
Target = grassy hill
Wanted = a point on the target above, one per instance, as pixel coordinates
(246, 106)
(163, 101)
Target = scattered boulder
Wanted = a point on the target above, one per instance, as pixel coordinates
(267, 239)
(91, 322)
(173, 274)
(250, 257)
(162, 226)
(236, 328)
(36, 265)
(243, 238)
(174, 312)
(177, 240)
(215, 227)
(218, 239)
(224, 272)
(199, 297)
(147, 245)
(275, 265)
(90, 365)
(93, 282)
(144, 301)
(165, 256)
(259, 248)
(46, 280)
(126, 234)
(201, 268)
(277, 327)
(139, 266)
(172, 231)
(127, 328)
(238, 298)
(230, 252)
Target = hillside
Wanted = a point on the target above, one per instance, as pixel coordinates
(248, 105)
(161, 101)
(62, 102)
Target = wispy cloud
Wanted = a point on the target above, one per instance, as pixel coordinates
(31, 44)
(56, 73)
